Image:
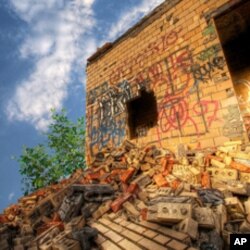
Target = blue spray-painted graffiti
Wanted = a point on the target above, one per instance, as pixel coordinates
(105, 125)
(113, 132)
(113, 102)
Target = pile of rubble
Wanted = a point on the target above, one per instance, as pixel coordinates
(138, 198)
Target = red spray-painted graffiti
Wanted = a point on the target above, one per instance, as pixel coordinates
(204, 108)
(153, 74)
(174, 115)
(156, 47)
(175, 111)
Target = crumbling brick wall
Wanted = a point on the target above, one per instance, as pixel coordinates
(174, 52)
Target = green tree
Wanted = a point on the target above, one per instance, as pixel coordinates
(62, 154)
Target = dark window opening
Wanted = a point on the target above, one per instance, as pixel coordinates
(142, 114)
(233, 28)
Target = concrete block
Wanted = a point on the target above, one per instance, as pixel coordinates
(204, 217)
(218, 164)
(234, 205)
(173, 212)
(188, 226)
(245, 177)
(223, 174)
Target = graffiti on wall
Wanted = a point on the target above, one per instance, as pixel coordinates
(152, 76)
(103, 124)
(113, 102)
(96, 92)
(178, 115)
(204, 72)
(209, 34)
(156, 47)
(209, 52)
(181, 111)
(111, 132)
(101, 133)
(175, 112)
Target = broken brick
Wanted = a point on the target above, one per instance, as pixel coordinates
(133, 187)
(117, 204)
(127, 174)
(239, 166)
(160, 180)
(205, 180)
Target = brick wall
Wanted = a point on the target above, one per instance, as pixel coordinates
(176, 53)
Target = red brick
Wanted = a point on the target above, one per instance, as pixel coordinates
(127, 174)
(117, 204)
(160, 180)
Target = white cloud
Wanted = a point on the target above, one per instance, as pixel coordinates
(39, 46)
(131, 16)
(28, 9)
(88, 2)
(11, 196)
(57, 39)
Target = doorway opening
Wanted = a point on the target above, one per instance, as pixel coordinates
(233, 28)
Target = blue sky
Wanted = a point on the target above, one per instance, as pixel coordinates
(43, 46)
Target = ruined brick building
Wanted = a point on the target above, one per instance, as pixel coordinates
(179, 76)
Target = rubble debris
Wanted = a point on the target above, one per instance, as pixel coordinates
(138, 197)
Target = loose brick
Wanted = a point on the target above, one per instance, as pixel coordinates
(118, 220)
(162, 239)
(149, 244)
(105, 221)
(117, 204)
(149, 225)
(130, 208)
(131, 235)
(126, 244)
(123, 223)
(176, 245)
(136, 228)
(108, 245)
(100, 227)
(150, 233)
(113, 236)
(115, 227)
(172, 233)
